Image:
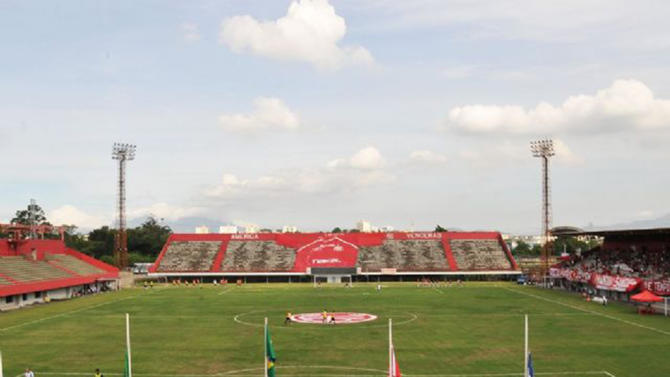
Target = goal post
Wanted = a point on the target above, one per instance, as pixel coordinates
(332, 275)
(332, 279)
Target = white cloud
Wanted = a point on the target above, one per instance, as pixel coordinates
(190, 32)
(165, 211)
(269, 114)
(363, 169)
(427, 157)
(565, 154)
(309, 32)
(625, 105)
(71, 215)
(368, 158)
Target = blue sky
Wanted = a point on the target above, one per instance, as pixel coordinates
(318, 114)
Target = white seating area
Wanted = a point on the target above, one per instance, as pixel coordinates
(22, 269)
(404, 255)
(73, 264)
(479, 254)
(258, 256)
(189, 256)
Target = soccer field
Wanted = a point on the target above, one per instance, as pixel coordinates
(475, 330)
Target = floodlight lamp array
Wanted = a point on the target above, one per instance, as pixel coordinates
(123, 151)
(542, 148)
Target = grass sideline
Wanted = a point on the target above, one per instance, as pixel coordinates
(471, 331)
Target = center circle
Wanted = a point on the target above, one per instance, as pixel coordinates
(333, 318)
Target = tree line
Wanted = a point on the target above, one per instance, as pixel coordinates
(145, 241)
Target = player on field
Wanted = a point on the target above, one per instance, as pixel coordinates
(287, 321)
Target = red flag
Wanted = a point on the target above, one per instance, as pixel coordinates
(394, 368)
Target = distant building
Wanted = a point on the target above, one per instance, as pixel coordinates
(364, 226)
(201, 229)
(387, 228)
(251, 228)
(289, 229)
(228, 229)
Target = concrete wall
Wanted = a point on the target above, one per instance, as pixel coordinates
(19, 301)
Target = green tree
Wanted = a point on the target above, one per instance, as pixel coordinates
(521, 248)
(536, 250)
(439, 228)
(571, 245)
(23, 216)
(337, 229)
(148, 239)
(100, 242)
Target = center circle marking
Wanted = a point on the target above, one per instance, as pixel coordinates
(340, 318)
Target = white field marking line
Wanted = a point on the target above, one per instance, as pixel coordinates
(237, 373)
(67, 313)
(237, 319)
(591, 311)
(225, 291)
(231, 373)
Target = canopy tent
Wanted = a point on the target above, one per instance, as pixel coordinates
(646, 296)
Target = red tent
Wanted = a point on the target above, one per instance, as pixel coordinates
(646, 296)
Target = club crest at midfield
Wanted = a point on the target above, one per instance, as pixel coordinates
(340, 317)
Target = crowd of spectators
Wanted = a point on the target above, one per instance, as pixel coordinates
(629, 261)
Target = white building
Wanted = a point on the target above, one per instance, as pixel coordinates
(364, 226)
(201, 229)
(289, 229)
(228, 229)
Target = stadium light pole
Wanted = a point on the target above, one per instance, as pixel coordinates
(122, 153)
(544, 149)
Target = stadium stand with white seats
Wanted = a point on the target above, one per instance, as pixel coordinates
(404, 255)
(73, 264)
(36, 271)
(257, 256)
(280, 254)
(479, 254)
(21, 269)
(189, 256)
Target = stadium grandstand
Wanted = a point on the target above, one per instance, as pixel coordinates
(41, 270)
(333, 256)
(627, 261)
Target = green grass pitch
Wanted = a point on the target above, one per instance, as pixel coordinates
(475, 330)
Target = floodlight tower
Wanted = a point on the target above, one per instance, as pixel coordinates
(544, 149)
(122, 153)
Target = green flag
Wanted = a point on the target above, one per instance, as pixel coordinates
(269, 353)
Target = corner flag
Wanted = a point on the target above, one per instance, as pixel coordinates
(531, 371)
(270, 356)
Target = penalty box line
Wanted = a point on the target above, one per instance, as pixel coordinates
(589, 311)
(234, 374)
